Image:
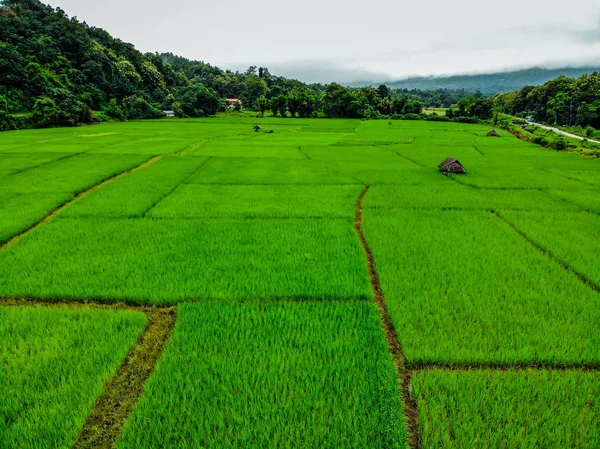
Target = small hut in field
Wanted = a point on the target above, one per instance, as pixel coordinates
(493, 133)
(451, 165)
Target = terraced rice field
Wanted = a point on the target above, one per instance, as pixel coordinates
(193, 283)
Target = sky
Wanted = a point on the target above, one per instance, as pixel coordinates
(351, 40)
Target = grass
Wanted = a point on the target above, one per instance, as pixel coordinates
(170, 260)
(451, 195)
(272, 374)
(53, 365)
(137, 193)
(500, 410)
(20, 211)
(242, 171)
(259, 201)
(14, 162)
(251, 234)
(584, 197)
(571, 237)
(463, 287)
(72, 175)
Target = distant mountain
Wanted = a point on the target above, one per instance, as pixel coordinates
(490, 83)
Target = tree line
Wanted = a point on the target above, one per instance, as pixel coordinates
(58, 71)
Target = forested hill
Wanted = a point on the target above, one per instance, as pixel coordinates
(61, 69)
(57, 71)
(489, 83)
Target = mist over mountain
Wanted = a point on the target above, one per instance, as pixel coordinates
(488, 83)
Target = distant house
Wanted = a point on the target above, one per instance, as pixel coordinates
(493, 133)
(169, 113)
(451, 165)
(232, 101)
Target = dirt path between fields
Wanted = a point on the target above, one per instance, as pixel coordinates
(121, 392)
(404, 374)
(77, 197)
(460, 367)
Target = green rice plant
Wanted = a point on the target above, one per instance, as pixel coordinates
(135, 194)
(21, 211)
(53, 366)
(272, 374)
(451, 195)
(500, 410)
(154, 145)
(573, 238)
(464, 287)
(231, 148)
(259, 201)
(170, 260)
(72, 175)
(590, 176)
(13, 162)
(586, 198)
(235, 171)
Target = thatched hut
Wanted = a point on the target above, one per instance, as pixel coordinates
(451, 165)
(493, 133)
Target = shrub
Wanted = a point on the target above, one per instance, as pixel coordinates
(113, 111)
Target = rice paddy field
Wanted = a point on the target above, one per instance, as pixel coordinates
(331, 288)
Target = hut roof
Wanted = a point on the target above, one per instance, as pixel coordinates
(451, 165)
(446, 162)
(493, 133)
(455, 167)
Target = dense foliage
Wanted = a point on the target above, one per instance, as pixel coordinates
(562, 101)
(55, 70)
(59, 70)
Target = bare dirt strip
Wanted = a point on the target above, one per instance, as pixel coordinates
(404, 374)
(77, 197)
(121, 393)
(501, 366)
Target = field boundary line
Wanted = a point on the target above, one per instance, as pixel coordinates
(84, 303)
(404, 375)
(190, 148)
(477, 149)
(570, 178)
(584, 279)
(141, 304)
(77, 197)
(23, 170)
(503, 366)
(210, 158)
(458, 181)
(303, 153)
(409, 159)
(579, 207)
(122, 392)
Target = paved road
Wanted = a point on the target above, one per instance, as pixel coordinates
(560, 131)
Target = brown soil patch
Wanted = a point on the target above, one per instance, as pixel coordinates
(121, 393)
(411, 410)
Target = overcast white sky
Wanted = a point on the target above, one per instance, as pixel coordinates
(326, 40)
